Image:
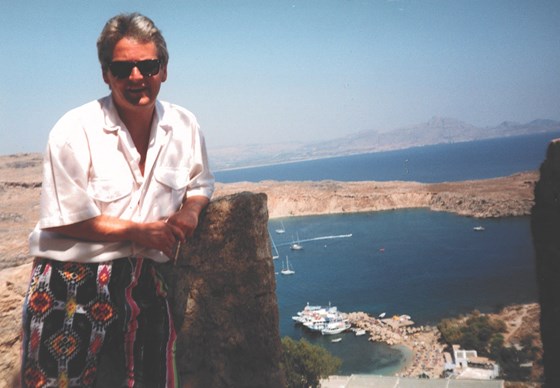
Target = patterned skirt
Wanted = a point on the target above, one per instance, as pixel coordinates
(104, 325)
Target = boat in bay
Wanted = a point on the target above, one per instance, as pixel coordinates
(275, 254)
(281, 229)
(325, 320)
(287, 270)
(296, 245)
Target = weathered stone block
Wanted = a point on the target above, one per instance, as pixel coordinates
(223, 291)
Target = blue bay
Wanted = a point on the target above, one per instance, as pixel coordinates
(429, 265)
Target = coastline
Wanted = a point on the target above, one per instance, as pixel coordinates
(488, 198)
(499, 197)
(421, 346)
(509, 196)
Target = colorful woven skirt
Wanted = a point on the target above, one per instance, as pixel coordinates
(103, 325)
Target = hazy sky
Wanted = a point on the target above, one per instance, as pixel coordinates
(275, 71)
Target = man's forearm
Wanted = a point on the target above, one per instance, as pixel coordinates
(195, 204)
(100, 228)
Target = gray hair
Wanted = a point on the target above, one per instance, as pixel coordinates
(134, 26)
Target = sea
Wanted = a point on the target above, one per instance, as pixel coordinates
(428, 265)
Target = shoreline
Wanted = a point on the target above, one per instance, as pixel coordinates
(423, 342)
(487, 198)
(423, 348)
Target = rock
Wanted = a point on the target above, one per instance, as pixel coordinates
(229, 336)
(545, 227)
(13, 285)
(222, 291)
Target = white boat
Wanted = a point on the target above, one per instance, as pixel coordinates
(478, 228)
(281, 229)
(296, 246)
(275, 254)
(288, 270)
(382, 315)
(327, 319)
(360, 332)
(336, 327)
(336, 339)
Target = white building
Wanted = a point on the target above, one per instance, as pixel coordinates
(467, 364)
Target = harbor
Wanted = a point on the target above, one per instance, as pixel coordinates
(426, 351)
(424, 341)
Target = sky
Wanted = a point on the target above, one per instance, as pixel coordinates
(270, 71)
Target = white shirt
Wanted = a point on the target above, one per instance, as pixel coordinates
(91, 167)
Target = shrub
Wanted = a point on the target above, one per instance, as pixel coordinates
(305, 364)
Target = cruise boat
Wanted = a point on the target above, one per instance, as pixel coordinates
(336, 327)
(326, 320)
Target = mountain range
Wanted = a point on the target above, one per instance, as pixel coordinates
(438, 130)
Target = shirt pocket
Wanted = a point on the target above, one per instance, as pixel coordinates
(174, 178)
(171, 187)
(112, 196)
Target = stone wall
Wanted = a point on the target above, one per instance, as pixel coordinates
(545, 225)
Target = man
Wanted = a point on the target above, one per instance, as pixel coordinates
(125, 179)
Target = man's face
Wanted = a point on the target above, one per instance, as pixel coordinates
(135, 91)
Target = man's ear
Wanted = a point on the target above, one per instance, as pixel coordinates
(105, 76)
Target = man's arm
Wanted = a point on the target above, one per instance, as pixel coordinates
(158, 235)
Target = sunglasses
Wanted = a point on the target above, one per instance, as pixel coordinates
(122, 69)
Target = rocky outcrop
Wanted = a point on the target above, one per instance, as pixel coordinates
(545, 226)
(223, 295)
(13, 285)
(225, 301)
(498, 197)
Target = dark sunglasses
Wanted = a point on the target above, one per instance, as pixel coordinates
(122, 69)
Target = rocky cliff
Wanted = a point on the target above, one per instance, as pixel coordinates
(499, 197)
(223, 294)
(545, 226)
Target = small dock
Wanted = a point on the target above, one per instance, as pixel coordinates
(424, 341)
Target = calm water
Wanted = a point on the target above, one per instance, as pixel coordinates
(428, 265)
(439, 163)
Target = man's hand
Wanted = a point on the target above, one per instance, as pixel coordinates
(187, 217)
(160, 235)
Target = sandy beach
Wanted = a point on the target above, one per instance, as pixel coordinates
(423, 342)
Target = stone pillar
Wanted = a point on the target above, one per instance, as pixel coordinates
(223, 294)
(545, 227)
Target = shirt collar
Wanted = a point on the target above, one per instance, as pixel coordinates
(113, 122)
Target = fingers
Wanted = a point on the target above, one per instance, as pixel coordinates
(177, 232)
(185, 221)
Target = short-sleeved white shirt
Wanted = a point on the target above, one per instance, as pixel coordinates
(91, 167)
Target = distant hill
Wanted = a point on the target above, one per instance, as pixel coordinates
(438, 130)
